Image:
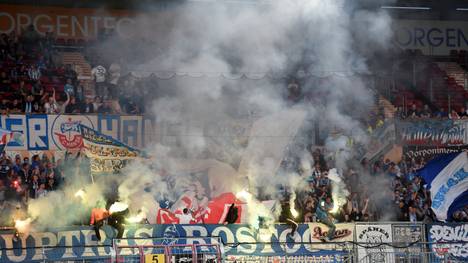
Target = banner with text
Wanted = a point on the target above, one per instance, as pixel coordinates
(455, 237)
(43, 132)
(368, 236)
(429, 152)
(432, 37)
(433, 132)
(79, 23)
(343, 233)
(240, 240)
(106, 154)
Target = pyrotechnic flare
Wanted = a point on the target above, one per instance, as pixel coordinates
(292, 205)
(81, 194)
(22, 223)
(339, 191)
(118, 207)
(140, 218)
(244, 196)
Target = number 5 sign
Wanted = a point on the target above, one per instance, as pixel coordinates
(155, 258)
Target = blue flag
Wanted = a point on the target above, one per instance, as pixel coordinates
(447, 179)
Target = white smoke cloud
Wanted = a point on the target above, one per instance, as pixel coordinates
(212, 41)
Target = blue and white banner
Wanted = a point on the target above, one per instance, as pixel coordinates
(78, 242)
(447, 179)
(448, 240)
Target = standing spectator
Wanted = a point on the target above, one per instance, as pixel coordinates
(51, 106)
(34, 73)
(87, 106)
(29, 105)
(413, 112)
(97, 103)
(454, 115)
(80, 92)
(37, 91)
(72, 106)
(132, 108)
(441, 114)
(426, 112)
(106, 108)
(69, 88)
(42, 191)
(99, 75)
(463, 113)
(34, 186)
(16, 106)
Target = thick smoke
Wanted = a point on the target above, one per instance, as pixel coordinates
(314, 41)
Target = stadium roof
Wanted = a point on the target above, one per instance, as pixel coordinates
(404, 9)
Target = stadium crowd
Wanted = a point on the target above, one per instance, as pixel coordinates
(405, 197)
(33, 79)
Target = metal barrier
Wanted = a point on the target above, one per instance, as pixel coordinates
(399, 257)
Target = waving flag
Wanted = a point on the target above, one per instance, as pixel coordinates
(106, 154)
(447, 179)
(5, 137)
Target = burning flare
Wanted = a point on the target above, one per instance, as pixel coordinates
(80, 193)
(118, 207)
(292, 205)
(23, 226)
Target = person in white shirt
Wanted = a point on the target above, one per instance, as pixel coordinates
(99, 74)
(34, 73)
(53, 107)
(186, 217)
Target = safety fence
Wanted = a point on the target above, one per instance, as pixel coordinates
(352, 242)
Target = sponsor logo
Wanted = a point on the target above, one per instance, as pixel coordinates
(320, 233)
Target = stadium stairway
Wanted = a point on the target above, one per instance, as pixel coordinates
(454, 71)
(83, 69)
(388, 108)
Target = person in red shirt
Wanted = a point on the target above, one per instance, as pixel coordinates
(98, 215)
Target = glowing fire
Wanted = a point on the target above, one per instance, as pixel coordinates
(118, 207)
(244, 195)
(135, 219)
(139, 217)
(23, 226)
(80, 193)
(292, 206)
(294, 212)
(264, 234)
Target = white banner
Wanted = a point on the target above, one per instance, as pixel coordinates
(368, 236)
(343, 233)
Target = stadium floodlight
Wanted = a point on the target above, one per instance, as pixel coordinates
(462, 9)
(406, 7)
